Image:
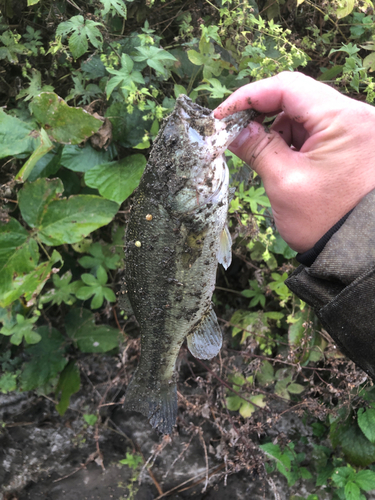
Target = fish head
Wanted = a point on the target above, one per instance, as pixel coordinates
(211, 136)
(197, 141)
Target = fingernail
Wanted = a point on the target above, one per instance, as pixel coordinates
(241, 139)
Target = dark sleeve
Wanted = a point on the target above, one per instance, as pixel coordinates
(340, 285)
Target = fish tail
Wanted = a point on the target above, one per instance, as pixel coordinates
(158, 402)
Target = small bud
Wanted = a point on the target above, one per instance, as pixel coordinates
(148, 217)
(138, 244)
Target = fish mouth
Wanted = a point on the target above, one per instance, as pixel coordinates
(189, 109)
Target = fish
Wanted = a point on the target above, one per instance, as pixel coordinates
(176, 235)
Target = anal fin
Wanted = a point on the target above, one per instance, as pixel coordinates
(206, 340)
(224, 254)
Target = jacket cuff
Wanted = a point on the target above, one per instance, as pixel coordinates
(340, 285)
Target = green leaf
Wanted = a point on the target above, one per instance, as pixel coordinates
(295, 388)
(344, 8)
(352, 491)
(80, 159)
(101, 255)
(68, 384)
(16, 136)
(90, 419)
(81, 32)
(366, 422)
(365, 479)
(115, 6)
(132, 460)
(11, 47)
(207, 58)
(46, 359)
(117, 180)
(216, 89)
(63, 123)
(48, 165)
(155, 57)
(124, 77)
(34, 197)
(80, 326)
(63, 290)
(265, 374)
(70, 220)
(35, 87)
(233, 402)
(43, 148)
(8, 382)
(356, 447)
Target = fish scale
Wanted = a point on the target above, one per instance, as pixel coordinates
(176, 236)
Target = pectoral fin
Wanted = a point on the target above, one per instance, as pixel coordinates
(206, 340)
(224, 254)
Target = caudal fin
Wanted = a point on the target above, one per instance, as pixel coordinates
(158, 402)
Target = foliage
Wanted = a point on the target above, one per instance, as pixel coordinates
(68, 174)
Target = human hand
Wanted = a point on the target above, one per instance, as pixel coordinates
(318, 159)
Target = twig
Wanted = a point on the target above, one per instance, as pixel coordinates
(200, 433)
(169, 492)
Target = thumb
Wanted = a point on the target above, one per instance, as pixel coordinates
(265, 151)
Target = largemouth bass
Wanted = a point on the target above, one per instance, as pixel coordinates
(177, 234)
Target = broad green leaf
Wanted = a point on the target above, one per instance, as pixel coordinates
(63, 123)
(366, 422)
(82, 159)
(365, 479)
(80, 327)
(34, 197)
(68, 384)
(46, 359)
(27, 285)
(117, 180)
(356, 447)
(352, 491)
(12, 236)
(70, 220)
(32, 2)
(16, 136)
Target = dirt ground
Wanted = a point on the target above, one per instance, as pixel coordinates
(46, 456)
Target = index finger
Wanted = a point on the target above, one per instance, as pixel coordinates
(301, 98)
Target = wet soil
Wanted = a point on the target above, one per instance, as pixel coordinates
(47, 456)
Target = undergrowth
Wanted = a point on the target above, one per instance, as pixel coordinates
(84, 87)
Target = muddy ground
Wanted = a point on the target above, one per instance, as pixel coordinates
(47, 456)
